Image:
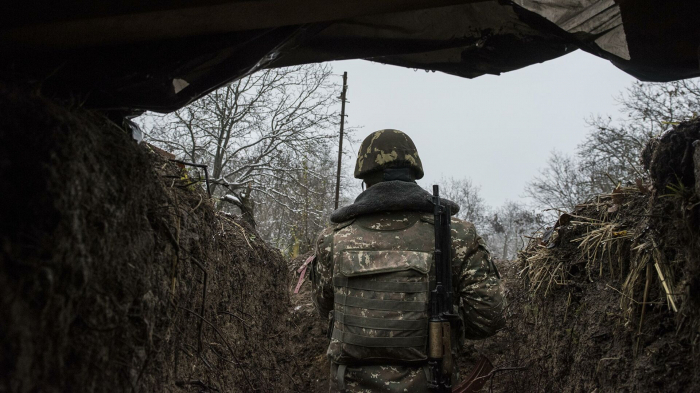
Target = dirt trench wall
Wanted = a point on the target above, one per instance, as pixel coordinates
(116, 275)
(591, 300)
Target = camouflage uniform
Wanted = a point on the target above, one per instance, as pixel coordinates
(359, 261)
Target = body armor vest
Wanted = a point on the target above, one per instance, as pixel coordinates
(382, 277)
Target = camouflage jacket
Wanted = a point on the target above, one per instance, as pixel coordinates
(478, 293)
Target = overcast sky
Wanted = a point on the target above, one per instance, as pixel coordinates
(496, 130)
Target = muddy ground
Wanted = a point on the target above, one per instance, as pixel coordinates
(309, 336)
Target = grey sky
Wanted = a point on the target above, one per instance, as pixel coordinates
(496, 130)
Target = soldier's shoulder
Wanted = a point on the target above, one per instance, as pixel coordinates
(326, 234)
(463, 233)
(463, 227)
(327, 231)
(459, 222)
(324, 243)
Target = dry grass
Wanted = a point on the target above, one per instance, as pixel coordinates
(605, 240)
(542, 268)
(649, 255)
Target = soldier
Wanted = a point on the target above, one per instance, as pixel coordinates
(373, 269)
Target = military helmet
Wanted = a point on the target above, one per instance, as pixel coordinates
(387, 149)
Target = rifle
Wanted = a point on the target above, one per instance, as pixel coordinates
(441, 312)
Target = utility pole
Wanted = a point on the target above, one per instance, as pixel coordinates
(340, 144)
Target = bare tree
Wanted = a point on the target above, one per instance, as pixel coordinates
(612, 148)
(291, 220)
(464, 193)
(255, 134)
(508, 227)
(610, 155)
(503, 228)
(561, 185)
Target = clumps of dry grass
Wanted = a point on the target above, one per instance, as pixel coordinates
(602, 243)
(604, 239)
(650, 257)
(543, 267)
(612, 238)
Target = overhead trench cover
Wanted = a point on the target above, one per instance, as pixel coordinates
(160, 55)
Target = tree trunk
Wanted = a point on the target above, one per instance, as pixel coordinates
(247, 207)
(505, 246)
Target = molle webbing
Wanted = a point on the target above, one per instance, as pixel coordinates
(408, 332)
(379, 342)
(381, 284)
(380, 323)
(368, 284)
(379, 304)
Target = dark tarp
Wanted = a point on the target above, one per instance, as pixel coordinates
(162, 54)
